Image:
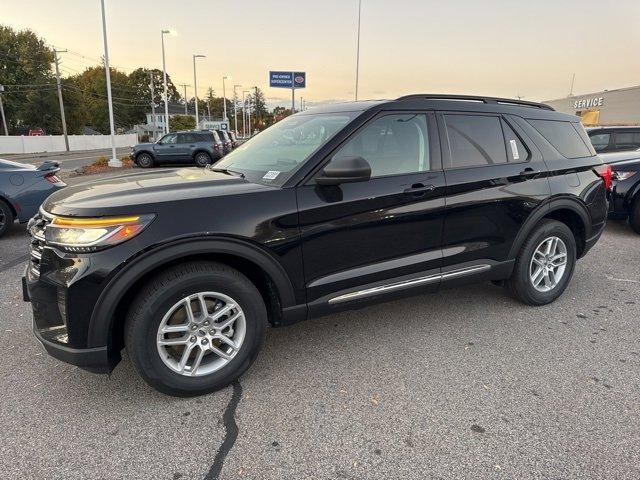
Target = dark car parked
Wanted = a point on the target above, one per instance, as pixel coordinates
(625, 193)
(333, 208)
(23, 188)
(199, 147)
(233, 138)
(226, 140)
(614, 139)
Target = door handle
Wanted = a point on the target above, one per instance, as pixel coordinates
(529, 172)
(419, 187)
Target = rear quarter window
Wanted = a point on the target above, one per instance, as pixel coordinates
(564, 136)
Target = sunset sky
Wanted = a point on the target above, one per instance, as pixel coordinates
(493, 47)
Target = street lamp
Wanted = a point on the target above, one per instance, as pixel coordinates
(195, 85)
(113, 162)
(164, 83)
(358, 48)
(235, 107)
(224, 98)
(245, 104)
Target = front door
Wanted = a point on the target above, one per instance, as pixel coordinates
(495, 178)
(166, 147)
(378, 232)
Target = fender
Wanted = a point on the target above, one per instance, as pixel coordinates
(564, 203)
(101, 322)
(632, 194)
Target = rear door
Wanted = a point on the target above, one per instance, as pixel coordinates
(185, 147)
(495, 178)
(374, 233)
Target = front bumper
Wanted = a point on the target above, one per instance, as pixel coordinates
(51, 331)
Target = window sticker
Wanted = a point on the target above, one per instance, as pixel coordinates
(514, 150)
(271, 175)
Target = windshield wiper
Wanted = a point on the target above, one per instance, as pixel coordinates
(226, 171)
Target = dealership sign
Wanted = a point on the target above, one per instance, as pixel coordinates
(287, 79)
(589, 102)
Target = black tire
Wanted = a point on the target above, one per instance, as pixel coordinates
(634, 215)
(145, 160)
(6, 217)
(202, 159)
(158, 296)
(520, 284)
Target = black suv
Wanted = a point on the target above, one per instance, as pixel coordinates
(614, 139)
(226, 140)
(199, 147)
(329, 209)
(624, 202)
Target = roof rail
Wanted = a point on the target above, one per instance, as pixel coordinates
(474, 98)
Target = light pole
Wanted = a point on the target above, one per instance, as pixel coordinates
(184, 86)
(358, 48)
(195, 85)
(235, 108)
(113, 162)
(247, 106)
(224, 98)
(164, 84)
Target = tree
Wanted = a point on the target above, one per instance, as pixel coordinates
(30, 91)
(139, 84)
(182, 122)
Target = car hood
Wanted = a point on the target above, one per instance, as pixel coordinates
(616, 157)
(142, 146)
(141, 192)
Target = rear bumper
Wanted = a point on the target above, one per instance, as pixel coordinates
(591, 241)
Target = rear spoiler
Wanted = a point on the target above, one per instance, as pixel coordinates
(49, 165)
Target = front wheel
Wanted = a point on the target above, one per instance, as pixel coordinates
(545, 264)
(144, 160)
(195, 328)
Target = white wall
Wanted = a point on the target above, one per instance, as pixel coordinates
(55, 143)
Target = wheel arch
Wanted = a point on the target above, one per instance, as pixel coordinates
(5, 199)
(106, 325)
(569, 211)
(147, 151)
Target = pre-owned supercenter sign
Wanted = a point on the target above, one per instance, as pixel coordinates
(589, 102)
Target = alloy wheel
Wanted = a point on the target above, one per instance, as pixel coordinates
(201, 333)
(548, 264)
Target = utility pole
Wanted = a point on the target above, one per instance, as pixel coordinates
(209, 96)
(62, 117)
(573, 79)
(4, 120)
(153, 104)
(164, 82)
(114, 162)
(185, 85)
(255, 99)
(244, 114)
(195, 86)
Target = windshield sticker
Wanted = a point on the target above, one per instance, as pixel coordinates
(271, 175)
(514, 150)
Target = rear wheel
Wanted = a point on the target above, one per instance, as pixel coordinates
(202, 159)
(144, 160)
(195, 328)
(6, 217)
(545, 264)
(634, 215)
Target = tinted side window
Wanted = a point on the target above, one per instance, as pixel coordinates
(475, 140)
(627, 139)
(186, 138)
(204, 137)
(168, 139)
(563, 136)
(600, 141)
(392, 144)
(516, 150)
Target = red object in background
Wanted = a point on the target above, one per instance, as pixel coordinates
(36, 132)
(606, 173)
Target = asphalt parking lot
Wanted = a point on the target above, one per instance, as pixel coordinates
(68, 160)
(466, 383)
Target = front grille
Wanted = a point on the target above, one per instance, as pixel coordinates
(37, 227)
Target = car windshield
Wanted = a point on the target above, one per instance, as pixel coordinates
(274, 155)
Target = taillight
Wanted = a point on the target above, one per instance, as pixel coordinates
(52, 178)
(606, 173)
(216, 146)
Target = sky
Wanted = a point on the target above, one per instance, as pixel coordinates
(484, 47)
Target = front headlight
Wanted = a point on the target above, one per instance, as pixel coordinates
(91, 234)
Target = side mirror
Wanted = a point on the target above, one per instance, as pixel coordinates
(345, 170)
